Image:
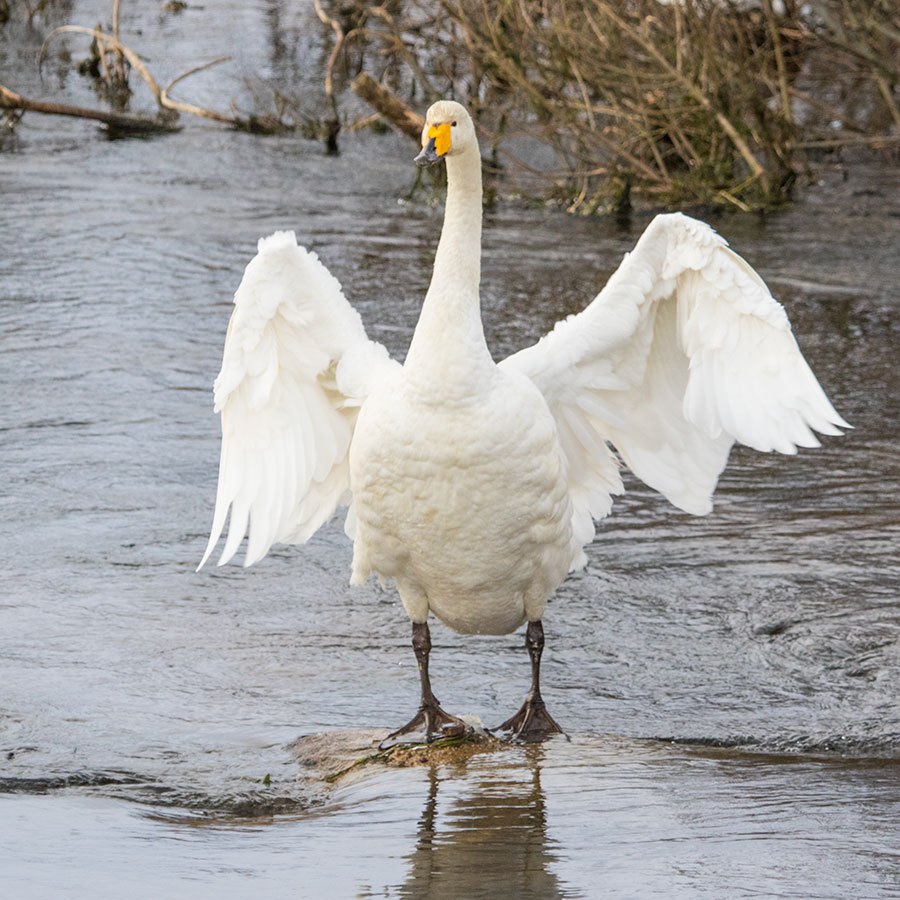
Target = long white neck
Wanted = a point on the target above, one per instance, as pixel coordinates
(448, 345)
(458, 258)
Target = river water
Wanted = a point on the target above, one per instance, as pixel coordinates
(729, 683)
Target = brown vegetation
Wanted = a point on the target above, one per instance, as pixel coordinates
(694, 101)
(680, 102)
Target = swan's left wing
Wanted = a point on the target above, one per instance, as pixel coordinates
(296, 368)
(683, 352)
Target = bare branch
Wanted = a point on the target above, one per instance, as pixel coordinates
(389, 105)
(193, 71)
(118, 121)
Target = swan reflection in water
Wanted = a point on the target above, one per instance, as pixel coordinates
(484, 837)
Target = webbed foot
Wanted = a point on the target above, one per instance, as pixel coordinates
(427, 725)
(430, 722)
(531, 723)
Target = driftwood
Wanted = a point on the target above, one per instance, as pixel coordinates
(160, 93)
(122, 122)
(169, 108)
(114, 74)
(390, 106)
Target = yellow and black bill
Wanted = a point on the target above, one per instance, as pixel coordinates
(436, 147)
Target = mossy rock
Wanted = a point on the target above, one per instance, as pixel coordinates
(328, 757)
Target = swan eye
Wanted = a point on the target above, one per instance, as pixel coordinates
(453, 124)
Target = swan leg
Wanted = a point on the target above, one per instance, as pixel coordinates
(430, 721)
(532, 722)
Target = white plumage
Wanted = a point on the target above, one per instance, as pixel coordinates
(476, 485)
(297, 366)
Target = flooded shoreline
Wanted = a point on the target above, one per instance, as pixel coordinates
(603, 817)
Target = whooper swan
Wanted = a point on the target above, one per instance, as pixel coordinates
(475, 485)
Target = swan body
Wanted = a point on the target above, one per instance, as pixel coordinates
(476, 485)
(465, 505)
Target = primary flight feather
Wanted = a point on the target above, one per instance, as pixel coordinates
(475, 485)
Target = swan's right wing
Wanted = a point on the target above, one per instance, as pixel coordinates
(296, 368)
(683, 352)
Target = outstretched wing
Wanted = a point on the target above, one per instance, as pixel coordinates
(682, 353)
(296, 368)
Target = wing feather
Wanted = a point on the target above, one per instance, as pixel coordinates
(296, 367)
(682, 353)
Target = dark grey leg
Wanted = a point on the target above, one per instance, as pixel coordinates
(430, 721)
(532, 722)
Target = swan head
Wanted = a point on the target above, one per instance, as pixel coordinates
(448, 131)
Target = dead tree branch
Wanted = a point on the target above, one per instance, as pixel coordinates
(123, 122)
(389, 105)
(160, 94)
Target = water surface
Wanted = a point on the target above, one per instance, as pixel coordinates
(729, 682)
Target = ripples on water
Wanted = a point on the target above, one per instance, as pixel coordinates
(771, 625)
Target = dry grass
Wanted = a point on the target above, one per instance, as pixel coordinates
(698, 101)
(681, 102)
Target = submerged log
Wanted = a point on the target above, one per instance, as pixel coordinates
(330, 757)
(120, 122)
